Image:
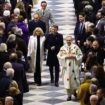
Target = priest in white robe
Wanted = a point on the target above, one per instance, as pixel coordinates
(70, 57)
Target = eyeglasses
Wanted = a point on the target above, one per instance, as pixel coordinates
(93, 100)
(68, 40)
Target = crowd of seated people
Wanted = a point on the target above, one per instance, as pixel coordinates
(90, 37)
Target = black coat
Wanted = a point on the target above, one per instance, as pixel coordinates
(4, 57)
(4, 86)
(10, 26)
(33, 25)
(53, 40)
(20, 77)
(21, 45)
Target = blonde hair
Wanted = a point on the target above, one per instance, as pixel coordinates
(20, 5)
(38, 29)
(103, 3)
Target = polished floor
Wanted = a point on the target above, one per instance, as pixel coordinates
(63, 14)
(47, 94)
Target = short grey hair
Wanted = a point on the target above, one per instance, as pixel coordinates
(9, 99)
(3, 47)
(89, 7)
(7, 65)
(16, 11)
(10, 72)
(11, 37)
(94, 97)
(88, 75)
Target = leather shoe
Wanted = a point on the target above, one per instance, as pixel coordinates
(68, 98)
(56, 84)
(38, 84)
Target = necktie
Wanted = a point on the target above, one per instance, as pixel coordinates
(43, 12)
(81, 28)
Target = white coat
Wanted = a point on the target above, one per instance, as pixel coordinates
(32, 50)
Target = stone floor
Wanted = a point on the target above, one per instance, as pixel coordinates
(47, 94)
(63, 14)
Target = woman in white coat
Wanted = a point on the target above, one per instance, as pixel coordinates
(36, 53)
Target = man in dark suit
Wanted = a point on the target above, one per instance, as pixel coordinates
(79, 31)
(12, 23)
(19, 77)
(53, 42)
(36, 22)
(101, 23)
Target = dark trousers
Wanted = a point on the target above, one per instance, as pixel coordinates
(56, 77)
(37, 76)
(19, 99)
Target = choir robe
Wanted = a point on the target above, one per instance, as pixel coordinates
(32, 50)
(70, 68)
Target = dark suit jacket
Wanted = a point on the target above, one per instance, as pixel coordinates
(100, 26)
(79, 36)
(10, 26)
(4, 57)
(53, 40)
(77, 6)
(20, 77)
(21, 45)
(4, 86)
(33, 25)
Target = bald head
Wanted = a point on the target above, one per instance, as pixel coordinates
(8, 100)
(36, 17)
(13, 57)
(7, 65)
(10, 72)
